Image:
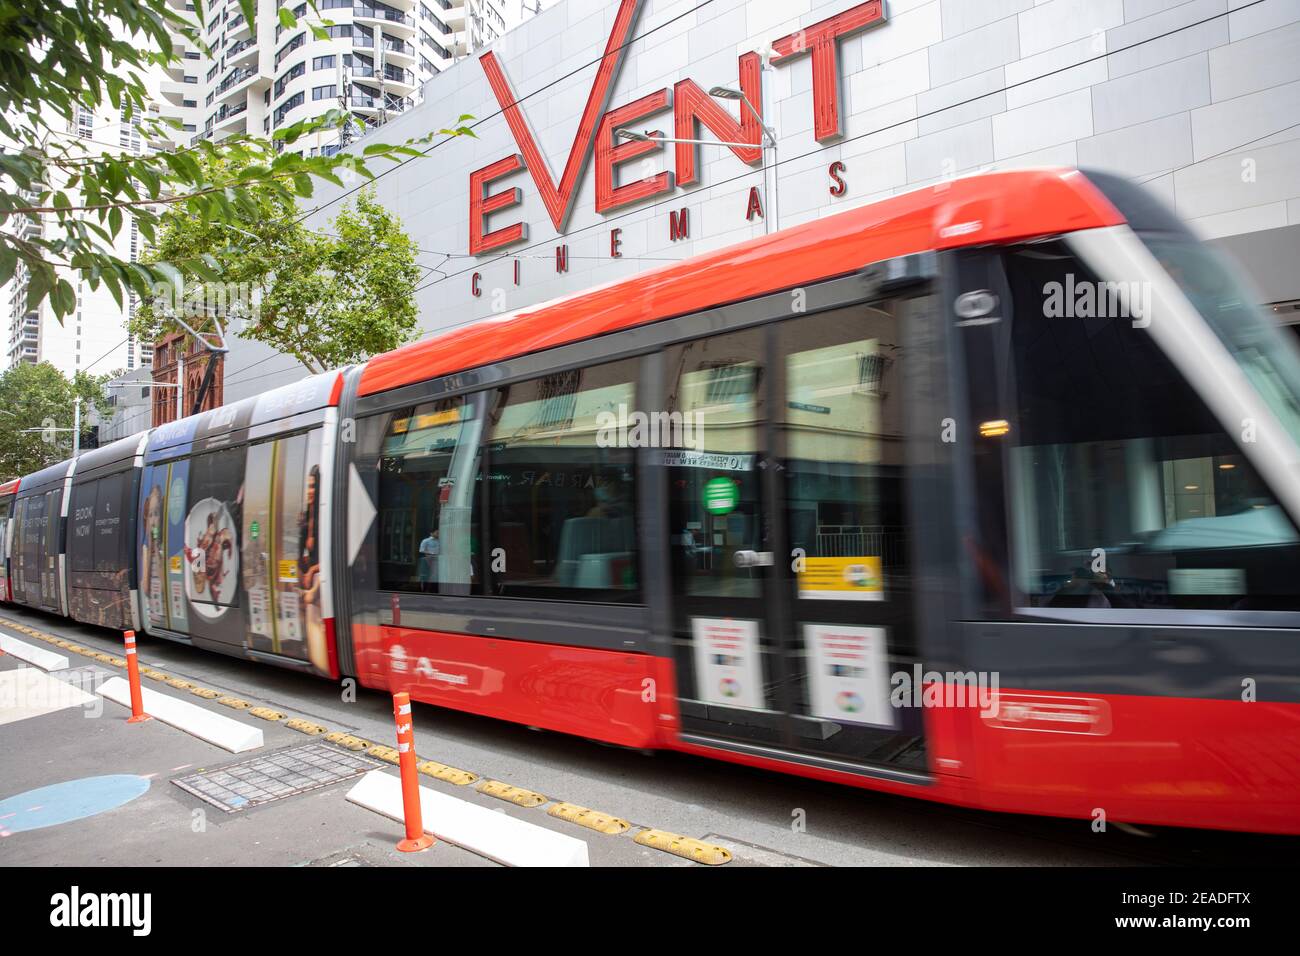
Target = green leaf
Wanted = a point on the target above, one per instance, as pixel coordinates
(287, 19)
(63, 298)
(8, 262)
(39, 283)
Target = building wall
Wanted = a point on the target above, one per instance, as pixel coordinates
(1199, 99)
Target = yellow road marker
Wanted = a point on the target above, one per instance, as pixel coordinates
(689, 848)
(347, 740)
(305, 727)
(234, 702)
(383, 752)
(266, 713)
(516, 795)
(591, 819)
(440, 771)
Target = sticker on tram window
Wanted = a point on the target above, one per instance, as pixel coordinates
(857, 578)
(848, 674)
(727, 668)
(1230, 581)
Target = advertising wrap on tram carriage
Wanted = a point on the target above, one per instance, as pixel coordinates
(211, 525)
(229, 540)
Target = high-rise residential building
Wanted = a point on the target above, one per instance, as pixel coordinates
(259, 79)
(94, 337)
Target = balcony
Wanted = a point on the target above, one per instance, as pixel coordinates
(237, 51)
(386, 15)
(234, 79)
(392, 74)
(399, 48)
(229, 112)
(373, 104)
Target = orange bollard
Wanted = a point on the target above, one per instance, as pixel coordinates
(416, 838)
(138, 716)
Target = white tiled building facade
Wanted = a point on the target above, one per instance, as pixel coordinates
(1199, 99)
(379, 53)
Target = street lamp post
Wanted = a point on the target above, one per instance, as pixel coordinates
(767, 140)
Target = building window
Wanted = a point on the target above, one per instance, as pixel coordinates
(84, 123)
(291, 103)
(323, 62)
(289, 47)
(324, 92)
(297, 71)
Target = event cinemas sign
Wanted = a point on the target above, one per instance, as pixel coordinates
(691, 107)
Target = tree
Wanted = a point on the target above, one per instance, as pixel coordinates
(36, 401)
(328, 298)
(56, 57)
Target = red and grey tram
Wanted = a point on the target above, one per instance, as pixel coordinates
(986, 494)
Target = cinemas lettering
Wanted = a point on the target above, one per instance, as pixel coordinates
(693, 111)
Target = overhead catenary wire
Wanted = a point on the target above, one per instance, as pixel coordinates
(669, 200)
(673, 200)
(519, 253)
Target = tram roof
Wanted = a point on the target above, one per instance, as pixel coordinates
(996, 207)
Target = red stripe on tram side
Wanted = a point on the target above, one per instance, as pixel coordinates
(583, 691)
(331, 649)
(1234, 765)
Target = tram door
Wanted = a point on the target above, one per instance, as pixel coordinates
(791, 577)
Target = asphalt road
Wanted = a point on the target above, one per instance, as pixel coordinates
(751, 812)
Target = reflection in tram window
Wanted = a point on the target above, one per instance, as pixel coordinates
(844, 452)
(1127, 492)
(429, 497)
(562, 501)
(715, 489)
(844, 455)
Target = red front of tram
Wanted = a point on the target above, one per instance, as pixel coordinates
(984, 494)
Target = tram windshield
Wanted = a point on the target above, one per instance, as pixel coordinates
(1127, 492)
(1267, 356)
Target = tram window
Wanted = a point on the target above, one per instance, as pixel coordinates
(1126, 492)
(715, 491)
(844, 456)
(562, 491)
(429, 497)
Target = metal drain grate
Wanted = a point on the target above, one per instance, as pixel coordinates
(274, 776)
